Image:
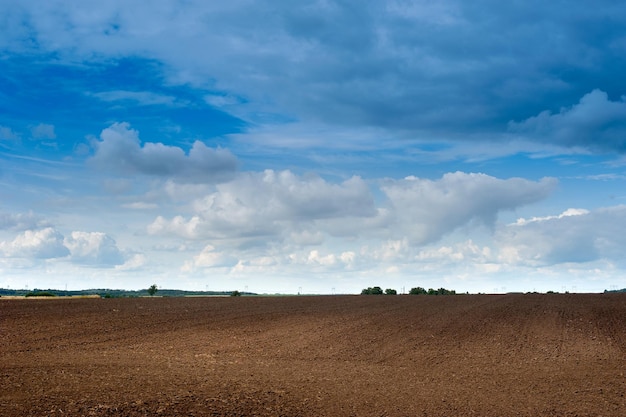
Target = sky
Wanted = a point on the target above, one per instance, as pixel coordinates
(313, 146)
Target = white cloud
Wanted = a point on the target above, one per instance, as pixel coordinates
(566, 213)
(178, 226)
(120, 150)
(270, 204)
(272, 214)
(595, 122)
(93, 248)
(84, 248)
(575, 236)
(424, 210)
(133, 263)
(443, 258)
(40, 244)
(316, 258)
(209, 258)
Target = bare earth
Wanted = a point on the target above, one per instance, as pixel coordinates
(476, 355)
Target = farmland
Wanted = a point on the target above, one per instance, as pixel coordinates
(464, 355)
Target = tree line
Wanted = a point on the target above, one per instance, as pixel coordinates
(413, 291)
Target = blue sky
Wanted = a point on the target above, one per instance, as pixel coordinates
(321, 146)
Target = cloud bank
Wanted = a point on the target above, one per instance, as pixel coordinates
(279, 208)
(416, 69)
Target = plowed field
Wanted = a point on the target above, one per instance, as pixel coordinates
(477, 355)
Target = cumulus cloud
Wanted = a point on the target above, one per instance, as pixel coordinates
(85, 248)
(594, 122)
(316, 258)
(120, 150)
(93, 248)
(209, 257)
(424, 210)
(270, 204)
(40, 244)
(575, 236)
(133, 263)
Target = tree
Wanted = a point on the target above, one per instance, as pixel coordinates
(235, 294)
(417, 291)
(153, 290)
(391, 291)
(372, 291)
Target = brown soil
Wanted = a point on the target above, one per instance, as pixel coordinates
(478, 355)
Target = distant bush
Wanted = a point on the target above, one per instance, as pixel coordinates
(235, 294)
(40, 294)
(431, 291)
(391, 291)
(441, 291)
(372, 291)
